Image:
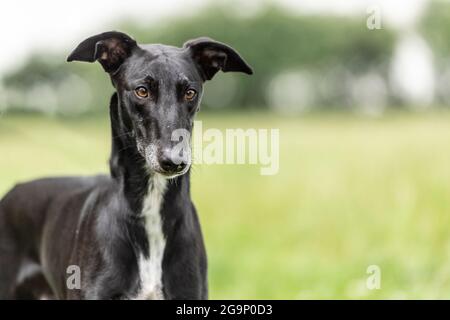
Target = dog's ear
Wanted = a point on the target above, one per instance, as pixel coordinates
(109, 48)
(212, 56)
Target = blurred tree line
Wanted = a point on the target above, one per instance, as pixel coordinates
(326, 49)
(436, 29)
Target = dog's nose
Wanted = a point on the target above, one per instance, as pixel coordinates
(171, 162)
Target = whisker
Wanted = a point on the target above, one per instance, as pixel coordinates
(123, 149)
(122, 134)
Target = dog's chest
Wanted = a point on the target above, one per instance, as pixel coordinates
(150, 263)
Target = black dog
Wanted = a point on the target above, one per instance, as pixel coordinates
(134, 234)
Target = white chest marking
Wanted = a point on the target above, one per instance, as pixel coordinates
(150, 268)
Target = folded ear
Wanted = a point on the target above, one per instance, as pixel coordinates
(212, 56)
(109, 48)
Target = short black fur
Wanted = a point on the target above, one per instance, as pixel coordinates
(95, 223)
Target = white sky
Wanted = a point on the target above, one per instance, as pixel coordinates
(51, 25)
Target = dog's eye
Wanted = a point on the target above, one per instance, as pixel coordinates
(141, 92)
(190, 94)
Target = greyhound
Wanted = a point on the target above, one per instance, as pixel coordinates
(135, 233)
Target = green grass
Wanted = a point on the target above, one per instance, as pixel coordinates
(351, 192)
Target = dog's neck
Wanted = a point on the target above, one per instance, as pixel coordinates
(128, 167)
(154, 204)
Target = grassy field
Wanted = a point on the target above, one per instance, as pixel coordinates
(351, 192)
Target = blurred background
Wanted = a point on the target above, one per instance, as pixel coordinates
(360, 91)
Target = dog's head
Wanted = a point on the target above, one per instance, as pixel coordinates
(159, 89)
